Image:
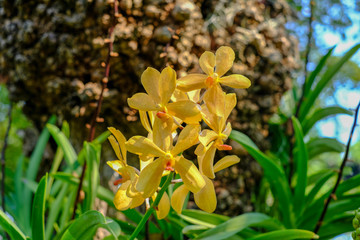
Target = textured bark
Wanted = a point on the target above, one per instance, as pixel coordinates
(51, 53)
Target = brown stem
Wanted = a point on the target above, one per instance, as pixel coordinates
(95, 117)
(332, 194)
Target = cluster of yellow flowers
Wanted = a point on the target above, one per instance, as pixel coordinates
(166, 107)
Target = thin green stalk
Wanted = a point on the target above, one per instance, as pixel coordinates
(148, 213)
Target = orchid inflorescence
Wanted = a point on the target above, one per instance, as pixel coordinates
(172, 110)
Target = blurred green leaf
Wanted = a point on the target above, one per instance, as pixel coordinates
(86, 225)
(320, 114)
(310, 80)
(318, 146)
(38, 210)
(212, 218)
(92, 159)
(325, 79)
(287, 234)
(10, 227)
(301, 162)
(275, 175)
(318, 185)
(232, 226)
(32, 171)
(102, 137)
(63, 142)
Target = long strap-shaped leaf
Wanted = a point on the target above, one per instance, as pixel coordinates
(38, 211)
(301, 157)
(10, 227)
(322, 113)
(325, 79)
(233, 226)
(274, 174)
(287, 234)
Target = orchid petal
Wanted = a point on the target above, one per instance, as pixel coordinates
(206, 162)
(115, 146)
(136, 201)
(150, 80)
(227, 129)
(178, 198)
(191, 82)
(144, 147)
(206, 136)
(230, 103)
(121, 200)
(150, 178)
(164, 206)
(142, 101)
(167, 84)
(225, 162)
(186, 110)
(235, 81)
(189, 174)
(205, 199)
(120, 140)
(187, 138)
(145, 121)
(162, 136)
(224, 57)
(207, 62)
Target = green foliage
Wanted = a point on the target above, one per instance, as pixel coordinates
(306, 193)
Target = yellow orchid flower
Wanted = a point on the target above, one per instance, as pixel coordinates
(214, 66)
(160, 87)
(161, 147)
(215, 111)
(205, 199)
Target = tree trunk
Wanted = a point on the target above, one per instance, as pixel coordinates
(51, 53)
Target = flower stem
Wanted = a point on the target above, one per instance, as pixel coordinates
(148, 213)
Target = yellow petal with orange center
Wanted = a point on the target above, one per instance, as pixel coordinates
(150, 80)
(150, 178)
(206, 136)
(121, 200)
(167, 84)
(178, 198)
(120, 138)
(206, 162)
(189, 174)
(235, 81)
(207, 62)
(205, 199)
(120, 168)
(144, 147)
(142, 101)
(187, 138)
(225, 162)
(186, 110)
(164, 206)
(191, 82)
(224, 58)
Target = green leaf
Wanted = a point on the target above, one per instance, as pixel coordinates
(102, 137)
(63, 142)
(310, 80)
(32, 171)
(325, 79)
(273, 173)
(86, 225)
(320, 114)
(212, 218)
(10, 227)
(317, 186)
(301, 161)
(287, 234)
(233, 226)
(38, 210)
(348, 185)
(318, 146)
(93, 179)
(335, 228)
